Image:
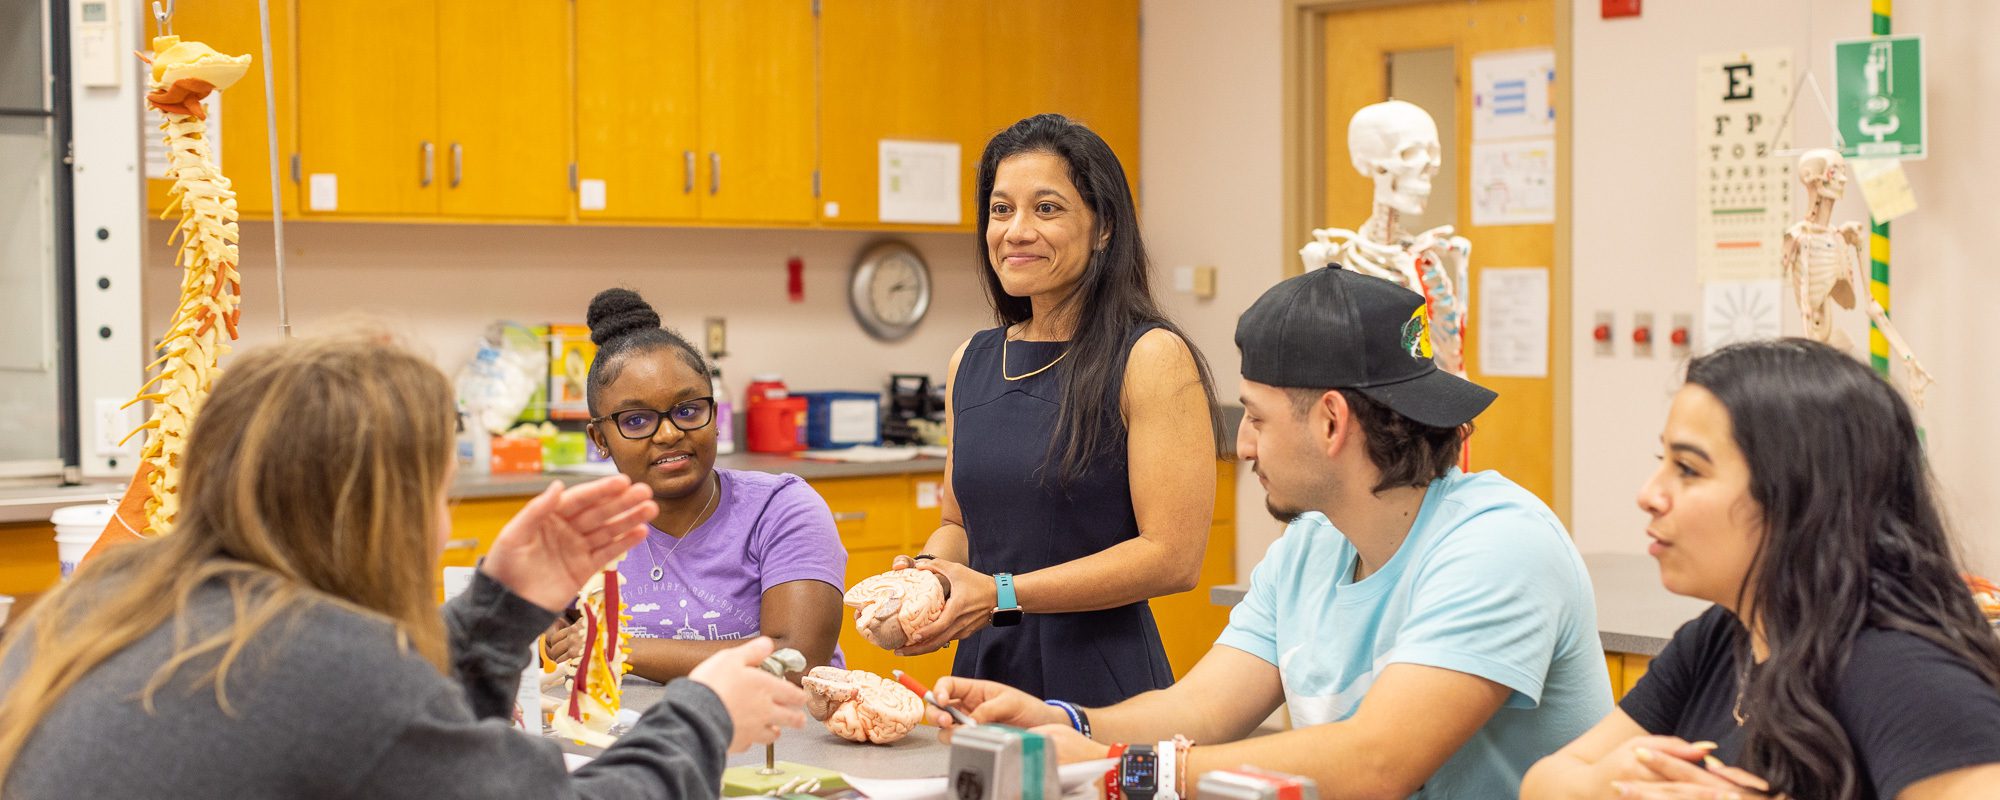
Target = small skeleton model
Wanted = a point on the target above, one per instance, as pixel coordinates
(1824, 265)
(1396, 144)
(890, 607)
(600, 667)
(183, 73)
(861, 706)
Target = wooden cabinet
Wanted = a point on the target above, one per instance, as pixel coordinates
(232, 27)
(1626, 670)
(504, 81)
(757, 94)
(697, 109)
(637, 123)
(1076, 59)
(897, 69)
(417, 108)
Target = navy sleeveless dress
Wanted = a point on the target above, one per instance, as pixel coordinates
(1020, 518)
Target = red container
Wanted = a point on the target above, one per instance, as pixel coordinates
(777, 426)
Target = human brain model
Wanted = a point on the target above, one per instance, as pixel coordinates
(860, 706)
(891, 607)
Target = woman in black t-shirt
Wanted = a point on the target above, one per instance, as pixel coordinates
(1844, 657)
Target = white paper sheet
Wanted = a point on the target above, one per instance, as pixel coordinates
(1510, 95)
(1885, 186)
(1513, 320)
(323, 192)
(918, 182)
(1739, 311)
(1514, 183)
(590, 195)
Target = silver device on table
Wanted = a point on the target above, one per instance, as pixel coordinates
(1250, 783)
(999, 762)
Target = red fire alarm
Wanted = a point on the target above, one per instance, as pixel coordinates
(1611, 9)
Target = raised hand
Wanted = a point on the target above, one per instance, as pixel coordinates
(564, 535)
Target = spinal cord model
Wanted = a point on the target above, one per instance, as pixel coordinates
(1395, 144)
(1823, 263)
(598, 671)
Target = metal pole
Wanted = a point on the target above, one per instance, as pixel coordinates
(277, 192)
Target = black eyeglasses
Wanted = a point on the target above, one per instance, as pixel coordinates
(642, 423)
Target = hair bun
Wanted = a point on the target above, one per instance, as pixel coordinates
(617, 312)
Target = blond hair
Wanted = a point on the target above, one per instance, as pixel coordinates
(315, 474)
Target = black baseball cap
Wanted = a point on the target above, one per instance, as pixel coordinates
(1333, 328)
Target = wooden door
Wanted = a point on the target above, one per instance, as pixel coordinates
(504, 71)
(232, 27)
(637, 128)
(896, 69)
(759, 133)
(1067, 57)
(368, 138)
(1514, 435)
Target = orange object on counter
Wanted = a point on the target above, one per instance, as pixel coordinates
(516, 455)
(778, 426)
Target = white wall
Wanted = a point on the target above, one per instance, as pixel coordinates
(1210, 155)
(442, 284)
(1634, 232)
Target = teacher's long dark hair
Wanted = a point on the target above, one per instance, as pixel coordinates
(1852, 538)
(1113, 295)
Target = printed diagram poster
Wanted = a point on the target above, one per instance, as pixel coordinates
(1743, 190)
(918, 182)
(1878, 86)
(1513, 322)
(1739, 311)
(1510, 95)
(1514, 183)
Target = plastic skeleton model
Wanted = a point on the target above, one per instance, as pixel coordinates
(600, 667)
(861, 706)
(183, 73)
(1824, 265)
(1396, 144)
(889, 607)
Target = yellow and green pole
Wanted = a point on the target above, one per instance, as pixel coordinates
(1878, 242)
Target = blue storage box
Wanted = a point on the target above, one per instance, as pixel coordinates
(842, 419)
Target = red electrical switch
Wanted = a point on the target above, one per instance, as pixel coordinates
(795, 279)
(1601, 333)
(1642, 335)
(1679, 337)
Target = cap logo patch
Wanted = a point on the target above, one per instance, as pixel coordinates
(1417, 334)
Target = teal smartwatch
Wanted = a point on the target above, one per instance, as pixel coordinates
(1006, 609)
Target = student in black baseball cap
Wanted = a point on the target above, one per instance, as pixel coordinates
(1433, 633)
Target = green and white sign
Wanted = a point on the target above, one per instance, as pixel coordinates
(1879, 96)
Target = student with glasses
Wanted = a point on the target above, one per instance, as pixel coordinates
(732, 554)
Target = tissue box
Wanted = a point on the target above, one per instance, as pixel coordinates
(516, 455)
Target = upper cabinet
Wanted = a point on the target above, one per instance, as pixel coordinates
(422, 108)
(1079, 59)
(695, 110)
(232, 27)
(899, 70)
(757, 113)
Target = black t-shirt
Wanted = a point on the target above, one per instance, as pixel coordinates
(1911, 709)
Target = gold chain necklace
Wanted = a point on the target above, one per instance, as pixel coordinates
(1024, 376)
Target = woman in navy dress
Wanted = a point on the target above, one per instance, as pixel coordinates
(1083, 436)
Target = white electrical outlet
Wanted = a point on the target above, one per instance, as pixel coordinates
(1184, 279)
(112, 425)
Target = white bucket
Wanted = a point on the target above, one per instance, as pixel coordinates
(77, 528)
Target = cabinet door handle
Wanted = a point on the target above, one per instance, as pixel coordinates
(428, 152)
(714, 172)
(687, 185)
(457, 164)
(849, 516)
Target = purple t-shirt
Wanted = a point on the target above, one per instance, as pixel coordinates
(766, 530)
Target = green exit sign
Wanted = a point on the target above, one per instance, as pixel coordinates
(1879, 96)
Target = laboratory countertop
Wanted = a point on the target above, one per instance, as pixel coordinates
(34, 501)
(1635, 614)
(919, 755)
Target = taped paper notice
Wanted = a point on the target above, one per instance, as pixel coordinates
(590, 195)
(1513, 322)
(918, 182)
(1885, 186)
(323, 192)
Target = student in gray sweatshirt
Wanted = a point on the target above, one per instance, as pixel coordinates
(284, 640)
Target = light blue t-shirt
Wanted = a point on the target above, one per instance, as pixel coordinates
(1487, 583)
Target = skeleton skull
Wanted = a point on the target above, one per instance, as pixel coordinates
(861, 706)
(892, 606)
(1396, 144)
(1824, 172)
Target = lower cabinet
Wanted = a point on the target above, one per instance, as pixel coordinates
(1626, 669)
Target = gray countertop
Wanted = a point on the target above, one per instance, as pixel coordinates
(1635, 614)
(919, 755)
(34, 501)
